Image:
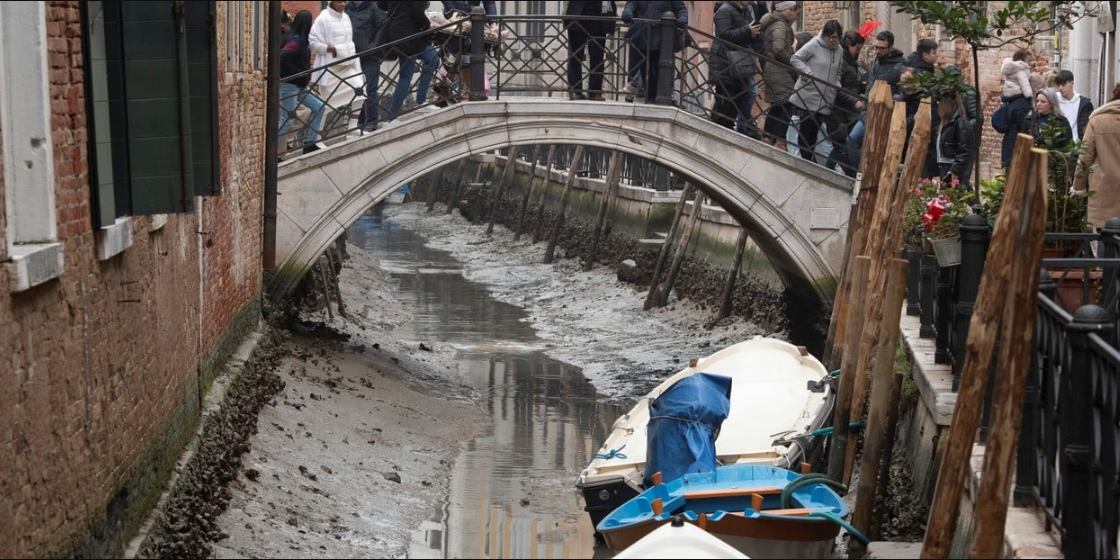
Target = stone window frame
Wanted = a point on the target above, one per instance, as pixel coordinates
(34, 254)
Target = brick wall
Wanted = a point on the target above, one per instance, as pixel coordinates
(101, 367)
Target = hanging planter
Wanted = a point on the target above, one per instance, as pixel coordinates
(947, 250)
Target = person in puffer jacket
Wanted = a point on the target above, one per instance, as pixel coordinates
(1016, 73)
(821, 60)
(777, 38)
(332, 39)
(953, 145)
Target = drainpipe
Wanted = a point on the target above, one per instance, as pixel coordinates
(271, 120)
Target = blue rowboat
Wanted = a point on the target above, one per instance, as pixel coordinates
(762, 511)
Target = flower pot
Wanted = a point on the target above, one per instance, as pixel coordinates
(1070, 285)
(947, 250)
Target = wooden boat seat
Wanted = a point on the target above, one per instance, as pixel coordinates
(731, 493)
(792, 512)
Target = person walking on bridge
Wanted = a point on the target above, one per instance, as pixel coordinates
(645, 39)
(406, 20)
(777, 74)
(367, 19)
(585, 40)
(295, 58)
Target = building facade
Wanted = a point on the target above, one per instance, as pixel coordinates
(131, 216)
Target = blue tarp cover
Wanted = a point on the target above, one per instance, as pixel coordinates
(683, 423)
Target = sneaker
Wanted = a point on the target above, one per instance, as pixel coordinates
(369, 129)
(313, 147)
(427, 109)
(391, 123)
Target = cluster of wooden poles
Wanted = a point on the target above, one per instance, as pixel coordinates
(659, 291)
(864, 331)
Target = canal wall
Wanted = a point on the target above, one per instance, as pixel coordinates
(644, 213)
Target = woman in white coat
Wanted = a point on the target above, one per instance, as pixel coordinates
(332, 39)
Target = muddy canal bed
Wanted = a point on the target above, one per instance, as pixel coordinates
(474, 384)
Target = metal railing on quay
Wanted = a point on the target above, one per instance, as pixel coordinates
(1069, 453)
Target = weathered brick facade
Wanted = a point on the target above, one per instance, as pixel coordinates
(103, 367)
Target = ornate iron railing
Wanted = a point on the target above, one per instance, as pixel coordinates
(1069, 451)
(533, 59)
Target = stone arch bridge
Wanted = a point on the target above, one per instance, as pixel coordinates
(797, 212)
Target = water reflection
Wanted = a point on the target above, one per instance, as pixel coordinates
(512, 489)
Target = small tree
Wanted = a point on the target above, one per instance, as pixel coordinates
(984, 28)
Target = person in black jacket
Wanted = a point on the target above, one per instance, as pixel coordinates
(407, 19)
(645, 39)
(848, 104)
(295, 58)
(735, 96)
(585, 40)
(954, 143)
(887, 66)
(367, 20)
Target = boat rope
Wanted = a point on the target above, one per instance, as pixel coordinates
(614, 454)
(835, 373)
(806, 479)
(847, 526)
(828, 431)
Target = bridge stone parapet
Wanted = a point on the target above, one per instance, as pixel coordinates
(796, 212)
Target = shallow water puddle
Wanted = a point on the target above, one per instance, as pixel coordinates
(513, 488)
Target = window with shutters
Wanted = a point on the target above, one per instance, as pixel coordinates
(32, 254)
(151, 96)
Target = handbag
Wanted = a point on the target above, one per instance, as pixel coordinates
(742, 65)
(1001, 118)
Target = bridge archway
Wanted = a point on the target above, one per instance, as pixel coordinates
(797, 212)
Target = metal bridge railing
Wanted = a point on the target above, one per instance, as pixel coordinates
(533, 60)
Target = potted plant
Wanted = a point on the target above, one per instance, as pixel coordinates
(944, 207)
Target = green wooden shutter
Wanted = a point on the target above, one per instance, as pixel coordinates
(158, 114)
(202, 59)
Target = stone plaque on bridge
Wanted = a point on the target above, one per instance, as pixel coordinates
(824, 218)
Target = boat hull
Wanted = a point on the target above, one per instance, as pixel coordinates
(615, 474)
(764, 512)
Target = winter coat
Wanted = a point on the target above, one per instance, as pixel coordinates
(333, 28)
(1020, 114)
(1016, 78)
(732, 24)
(366, 19)
(594, 28)
(1101, 146)
(649, 38)
(954, 149)
(405, 20)
(1036, 125)
(887, 68)
(819, 60)
(845, 113)
(295, 57)
(777, 36)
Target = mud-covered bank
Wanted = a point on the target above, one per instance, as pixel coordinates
(797, 312)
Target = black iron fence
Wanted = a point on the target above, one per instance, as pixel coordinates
(530, 56)
(1069, 454)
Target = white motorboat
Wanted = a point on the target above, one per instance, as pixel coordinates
(780, 396)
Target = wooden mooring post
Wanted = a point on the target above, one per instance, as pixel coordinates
(837, 466)
(1016, 338)
(982, 331)
(538, 227)
(453, 200)
(877, 137)
(682, 248)
(614, 175)
(732, 276)
(881, 383)
(511, 164)
(550, 253)
(655, 282)
(529, 190)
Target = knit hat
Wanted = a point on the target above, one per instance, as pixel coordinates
(780, 6)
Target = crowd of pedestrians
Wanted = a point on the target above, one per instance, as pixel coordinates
(809, 89)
